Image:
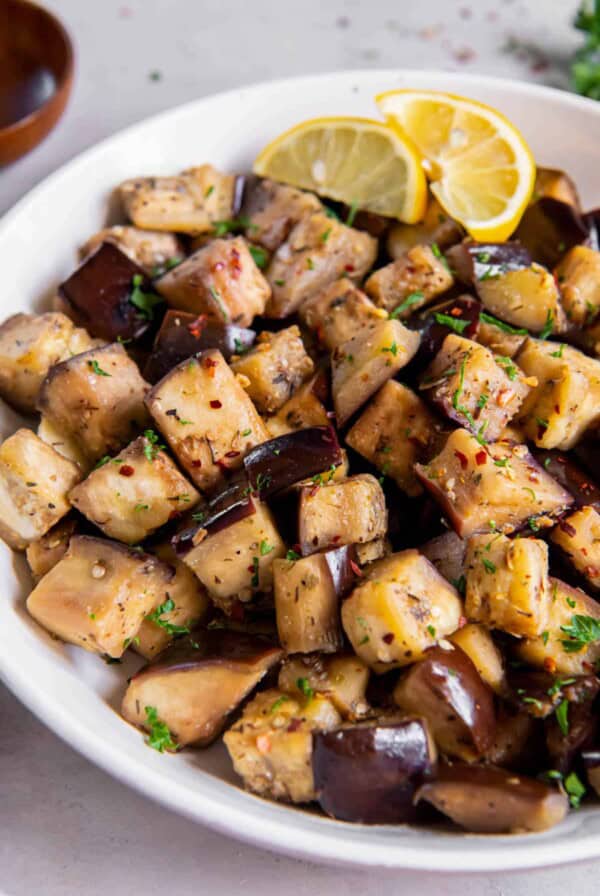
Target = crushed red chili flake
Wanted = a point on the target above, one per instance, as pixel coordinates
(481, 458)
(456, 312)
(215, 403)
(126, 470)
(463, 459)
(235, 264)
(294, 725)
(232, 454)
(196, 463)
(388, 638)
(550, 665)
(356, 568)
(208, 363)
(349, 268)
(336, 538)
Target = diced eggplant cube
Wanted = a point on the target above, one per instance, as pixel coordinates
(507, 583)
(394, 432)
(317, 251)
(236, 561)
(135, 493)
(578, 536)
(578, 276)
(474, 388)
(342, 678)
(347, 512)
(303, 410)
(527, 298)
(558, 649)
(419, 275)
(96, 398)
(206, 417)
(274, 368)
(30, 344)
(45, 553)
(99, 295)
(220, 280)
(566, 400)
(485, 799)
(400, 609)
(369, 772)
(363, 364)
(289, 459)
(339, 312)
(475, 483)
(152, 250)
(307, 600)
(65, 444)
(191, 202)
(271, 745)
(447, 690)
(182, 335)
(270, 211)
(196, 684)
(35, 481)
(474, 262)
(476, 641)
(98, 595)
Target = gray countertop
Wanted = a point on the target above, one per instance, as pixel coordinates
(65, 826)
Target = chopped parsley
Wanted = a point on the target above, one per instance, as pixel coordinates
(455, 323)
(305, 688)
(292, 555)
(562, 716)
(393, 349)
(440, 255)
(325, 235)
(482, 400)
(240, 348)
(490, 319)
(157, 614)
(547, 328)
(460, 584)
(545, 635)
(97, 369)
(411, 299)
(139, 507)
(259, 255)
(575, 789)
(509, 367)
(219, 302)
(254, 581)
(153, 445)
(232, 225)
(581, 631)
(265, 548)
(159, 737)
(310, 264)
(209, 191)
(246, 432)
(352, 214)
(431, 630)
(279, 702)
(559, 351)
(144, 301)
(488, 565)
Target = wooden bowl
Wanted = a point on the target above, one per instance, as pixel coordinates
(36, 74)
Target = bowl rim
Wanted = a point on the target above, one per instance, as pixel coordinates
(228, 809)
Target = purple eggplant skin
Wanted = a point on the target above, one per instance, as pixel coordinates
(572, 478)
(369, 772)
(473, 261)
(227, 508)
(213, 645)
(182, 335)
(433, 330)
(538, 693)
(549, 228)
(98, 295)
(342, 564)
(275, 465)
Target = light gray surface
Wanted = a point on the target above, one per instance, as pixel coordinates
(65, 827)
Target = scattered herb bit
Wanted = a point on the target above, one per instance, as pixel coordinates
(310, 264)
(159, 738)
(575, 789)
(139, 507)
(279, 282)
(571, 603)
(545, 636)
(482, 400)
(265, 548)
(543, 424)
(259, 255)
(533, 524)
(153, 445)
(331, 214)
(217, 298)
(393, 349)
(508, 366)
(92, 616)
(279, 702)
(292, 555)
(232, 225)
(103, 460)
(440, 255)
(325, 235)
(156, 616)
(305, 688)
(145, 302)
(263, 480)
(209, 191)
(533, 701)
(547, 328)
(97, 369)
(490, 319)
(246, 432)
(352, 214)
(431, 630)
(128, 641)
(460, 584)
(559, 351)
(547, 462)
(364, 625)
(531, 492)
(581, 631)
(562, 716)
(199, 516)
(455, 323)
(254, 581)
(155, 75)
(488, 565)
(502, 462)
(411, 299)
(483, 257)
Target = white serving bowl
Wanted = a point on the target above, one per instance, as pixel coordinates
(76, 694)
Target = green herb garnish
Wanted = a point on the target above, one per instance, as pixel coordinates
(259, 255)
(303, 686)
(144, 301)
(97, 369)
(455, 323)
(159, 737)
(547, 328)
(489, 319)
(411, 299)
(156, 616)
(581, 631)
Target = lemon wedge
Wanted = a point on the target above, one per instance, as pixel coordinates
(358, 161)
(482, 172)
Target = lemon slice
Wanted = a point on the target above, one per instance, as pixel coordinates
(481, 168)
(353, 160)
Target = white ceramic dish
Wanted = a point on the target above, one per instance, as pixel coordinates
(73, 692)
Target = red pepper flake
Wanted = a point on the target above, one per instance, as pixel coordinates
(463, 459)
(356, 569)
(456, 312)
(349, 268)
(196, 326)
(235, 264)
(481, 458)
(388, 638)
(215, 403)
(126, 470)
(336, 538)
(550, 665)
(196, 463)
(294, 725)
(208, 363)
(232, 454)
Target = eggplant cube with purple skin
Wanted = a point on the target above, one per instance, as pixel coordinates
(99, 593)
(289, 459)
(304, 409)
(578, 537)
(447, 690)
(235, 560)
(307, 600)
(393, 433)
(220, 280)
(527, 298)
(341, 677)
(271, 210)
(348, 512)
(400, 609)
(410, 282)
(507, 584)
(274, 368)
(271, 745)
(45, 553)
(191, 202)
(35, 481)
(97, 399)
(339, 312)
(363, 364)
(499, 482)
(473, 387)
(197, 683)
(368, 772)
(135, 493)
(318, 251)
(152, 250)
(206, 417)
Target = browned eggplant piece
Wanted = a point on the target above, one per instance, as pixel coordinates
(476, 641)
(592, 222)
(401, 608)
(342, 678)
(447, 553)
(272, 210)
(274, 368)
(410, 282)
(229, 506)
(307, 598)
(476, 483)
(556, 184)
(182, 335)
(108, 295)
(275, 465)
(447, 690)
(346, 512)
(485, 799)
(45, 553)
(573, 728)
(153, 250)
(339, 312)
(539, 693)
(304, 409)
(368, 771)
(473, 261)
(578, 538)
(578, 273)
(591, 764)
(473, 387)
(518, 742)
(271, 744)
(433, 325)
(197, 682)
(549, 228)
(572, 477)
